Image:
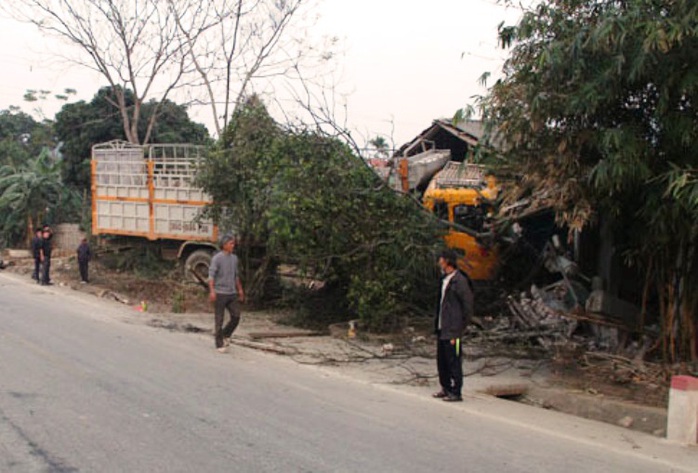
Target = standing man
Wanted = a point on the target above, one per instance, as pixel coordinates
(453, 314)
(225, 291)
(84, 256)
(45, 254)
(36, 253)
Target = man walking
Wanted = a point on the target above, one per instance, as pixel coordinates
(84, 256)
(452, 316)
(45, 254)
(36, 253)
(225, 291)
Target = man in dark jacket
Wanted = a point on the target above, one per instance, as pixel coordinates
(36, 253)
(84, 256)
(453, 313)
(45, 254)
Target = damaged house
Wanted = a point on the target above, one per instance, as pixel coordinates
(557, 278)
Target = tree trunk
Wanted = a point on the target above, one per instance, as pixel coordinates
(30, 229)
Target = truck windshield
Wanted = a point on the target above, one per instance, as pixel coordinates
(469, 216)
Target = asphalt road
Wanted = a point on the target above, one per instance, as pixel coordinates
(83, 390)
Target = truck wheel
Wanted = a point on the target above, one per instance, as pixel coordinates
(197, 262)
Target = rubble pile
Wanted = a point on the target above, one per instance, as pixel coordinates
(537, 314)
(557, 316)
(546, 317)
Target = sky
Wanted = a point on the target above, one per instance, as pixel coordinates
(401, 64)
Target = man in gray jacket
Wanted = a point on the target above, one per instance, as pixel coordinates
(453, 314)
(225, 291)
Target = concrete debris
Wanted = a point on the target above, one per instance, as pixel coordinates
(557, 315)
(601, 302)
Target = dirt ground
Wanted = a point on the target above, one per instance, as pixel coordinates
(404, 358)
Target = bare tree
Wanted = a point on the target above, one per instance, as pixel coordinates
(235, 45)
(215, 51)
(134, 44)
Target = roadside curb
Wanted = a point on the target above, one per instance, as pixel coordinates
(647, 419)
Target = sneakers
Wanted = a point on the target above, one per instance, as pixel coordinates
(222, 350)
(439, 395)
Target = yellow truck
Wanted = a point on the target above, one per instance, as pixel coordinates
(461, 194)
(436, 166)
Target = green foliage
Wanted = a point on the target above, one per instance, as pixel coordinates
(30, 194)
(37, 97)
(334, 218)
(179, 302)
(21, 136)
(144, 261)
(237, 174)
(598, 106)
(305, 199)
(80, 125)
(13, 153)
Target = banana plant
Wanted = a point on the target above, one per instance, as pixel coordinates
(28, 193)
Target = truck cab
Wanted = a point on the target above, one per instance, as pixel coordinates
(462, 195)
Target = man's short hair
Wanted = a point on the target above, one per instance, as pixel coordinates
(450, 257)
(226, 238)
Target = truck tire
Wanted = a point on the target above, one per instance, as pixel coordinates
(198, 261)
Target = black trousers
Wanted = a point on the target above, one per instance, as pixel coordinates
(83, 266)
(223, 302)
(449, 361)
(45, 270)
(37, 268)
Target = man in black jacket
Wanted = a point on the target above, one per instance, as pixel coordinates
(45, 253)
(36, 253)
(453, 313)
(84, 257)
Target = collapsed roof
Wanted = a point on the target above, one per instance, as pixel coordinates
(458, 137)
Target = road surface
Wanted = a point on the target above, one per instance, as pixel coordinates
(83, 390)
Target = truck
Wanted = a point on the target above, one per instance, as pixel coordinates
(148, 193)
(462, 195)
(435, 167)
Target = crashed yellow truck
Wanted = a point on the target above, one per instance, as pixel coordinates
(435, 166)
